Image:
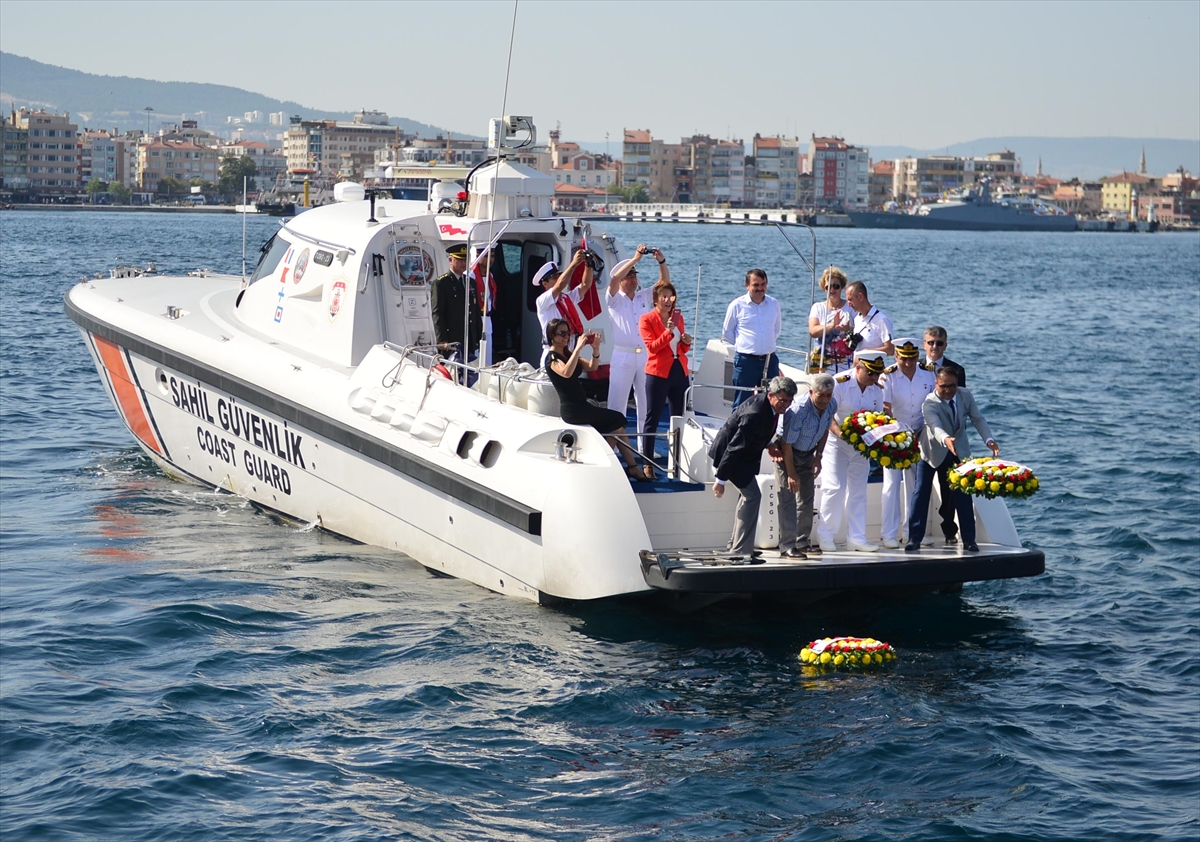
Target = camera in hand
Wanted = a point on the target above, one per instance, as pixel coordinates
(853, 340)
(593, 260)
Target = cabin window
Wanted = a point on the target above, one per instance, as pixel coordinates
(272, 252)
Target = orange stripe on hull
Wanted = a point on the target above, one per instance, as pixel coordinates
(127, 393)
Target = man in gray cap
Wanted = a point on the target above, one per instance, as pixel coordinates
(805, 430)
(844, 477)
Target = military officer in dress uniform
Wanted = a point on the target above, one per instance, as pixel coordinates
(905, 385)
(447, 301)
(844, 478)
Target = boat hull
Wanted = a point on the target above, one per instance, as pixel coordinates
(992, 220)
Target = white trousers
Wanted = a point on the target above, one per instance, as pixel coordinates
(628, 371)
(898, 489)
(843, 490)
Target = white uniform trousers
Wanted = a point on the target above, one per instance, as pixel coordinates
(843, 490)
(626, 370)
(898, 489)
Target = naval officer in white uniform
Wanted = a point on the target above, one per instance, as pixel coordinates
(844, 477)
(905, 386)
(627, 303)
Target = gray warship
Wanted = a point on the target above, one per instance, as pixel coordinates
(973, 209)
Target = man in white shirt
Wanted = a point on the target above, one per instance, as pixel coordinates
(627, 303)
(905, 387)
(753, 323)
(870, 324)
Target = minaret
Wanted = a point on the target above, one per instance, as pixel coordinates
(1142, 163)
(1039, 172)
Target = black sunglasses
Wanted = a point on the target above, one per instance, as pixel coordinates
(937, 343)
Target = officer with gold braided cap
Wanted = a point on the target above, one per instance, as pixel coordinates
(844, 477)
(905, 386)
(447, 301)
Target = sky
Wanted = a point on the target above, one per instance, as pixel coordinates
(919, 74)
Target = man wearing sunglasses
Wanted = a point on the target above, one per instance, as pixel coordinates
(935, 353)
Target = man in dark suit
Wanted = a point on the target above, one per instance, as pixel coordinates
(943, 445)
(935, 358)
(737, 454)
(447, 303)
(935, 353)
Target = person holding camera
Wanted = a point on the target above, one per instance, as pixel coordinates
(752, 326)
(872, 330)
(829, 323)
(627, 302)
(563, 367)
(666, 363)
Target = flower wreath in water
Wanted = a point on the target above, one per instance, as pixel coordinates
(880, 437)
(993, 478)
(847, 652)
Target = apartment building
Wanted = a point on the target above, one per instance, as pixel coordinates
(347, 149)
(881, 184)
(776, 166)
(927, 178)
(841, 175)
(670, 172)
(1118, 193)
(14, 165)
(53, 152)
(107, 153)
(635, 158)
(268, 162)
(179, 159)
(728, 173)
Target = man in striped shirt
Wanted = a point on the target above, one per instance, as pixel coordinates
(805, 428)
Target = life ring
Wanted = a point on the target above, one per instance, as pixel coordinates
(847, 652)
(442, 370)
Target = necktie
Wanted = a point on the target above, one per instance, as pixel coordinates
(953, 415)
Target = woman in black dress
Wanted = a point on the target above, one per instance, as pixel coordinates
(563, 366)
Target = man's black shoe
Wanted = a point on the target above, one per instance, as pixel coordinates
(971, 548)
(912, 547)
(951, 539)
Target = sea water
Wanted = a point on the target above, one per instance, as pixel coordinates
(177, 665)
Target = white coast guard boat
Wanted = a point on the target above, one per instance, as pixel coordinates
(313, 388)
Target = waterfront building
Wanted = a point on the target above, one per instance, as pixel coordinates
(670, 172)
(189, 131)
(635, 158)
(268, 162)
(881, 184)
(923, 179)
(1118, 192)
(338, 147)
(840, 173)
(776, 168)
(179, 159)
(1078, 197)
(107, 158)
(584, 170)
(750, 185)
(14, 165)
(53, 152)
(729, 173)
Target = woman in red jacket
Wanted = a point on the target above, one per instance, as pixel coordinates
(666, 364)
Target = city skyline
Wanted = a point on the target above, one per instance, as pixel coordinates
(1004, 68)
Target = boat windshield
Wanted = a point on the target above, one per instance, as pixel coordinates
(272, 252)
